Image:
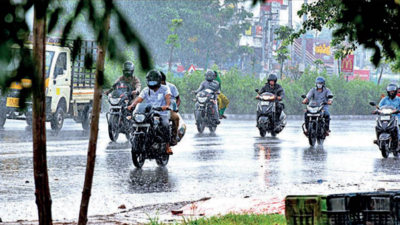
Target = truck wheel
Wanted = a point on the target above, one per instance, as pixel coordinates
(87, 118)
(58, 119)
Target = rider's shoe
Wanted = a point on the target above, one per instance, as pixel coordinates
(218, 122)
(223, 116)
(327, 132)
(169, 151)
(375, 142)
(220, 117)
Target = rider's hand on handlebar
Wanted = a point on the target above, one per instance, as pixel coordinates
(279, 98)
(164, 107)
(257, 97)
(130, 107)
(134, 92)
(304, 101)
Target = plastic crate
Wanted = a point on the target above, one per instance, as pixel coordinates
(345, 209)
(306, 210)
(378, 208)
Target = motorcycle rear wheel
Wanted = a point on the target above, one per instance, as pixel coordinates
(273, 134)
(212, 129)
(113, 128)
(162, 160)
(320, 141)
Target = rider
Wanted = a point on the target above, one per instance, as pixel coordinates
(210, 82)
(158, 95)
(174, 113)
(223, 101)
(392, 100)
(320, 94)
(128, 69)
(272, 87)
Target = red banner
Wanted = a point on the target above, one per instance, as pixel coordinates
(348, 64)
(259, 30)
(362, 74)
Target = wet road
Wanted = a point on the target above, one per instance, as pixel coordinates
(234, 162)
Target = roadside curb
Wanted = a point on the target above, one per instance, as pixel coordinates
(289, 117)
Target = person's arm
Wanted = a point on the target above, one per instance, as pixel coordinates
(201, 87)
(308, 96)
(167, 102)
(137, 87)
(134, 103)
(382, 102)
(330, 100)
(281, 93)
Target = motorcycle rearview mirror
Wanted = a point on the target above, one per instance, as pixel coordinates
(257, 90)
(303, 96)
(372, 103)
(148, 108)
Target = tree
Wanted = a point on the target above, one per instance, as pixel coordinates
(318, 63)
(173, 39)
(374, 24)
(283, 33)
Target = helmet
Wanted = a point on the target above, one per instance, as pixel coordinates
(128, 68)
(210, 75)
(163, 76)
(391, 90)
(153, 79)
(320, 82)
(272, 77)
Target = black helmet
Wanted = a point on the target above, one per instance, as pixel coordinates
(272, 77)
(320, 82)
(153, 79)
(391, 90)
(128, 68)
(163, 76)
(210, 75)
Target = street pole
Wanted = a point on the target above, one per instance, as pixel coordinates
(263, 44)
(291, 26)
(269, 41)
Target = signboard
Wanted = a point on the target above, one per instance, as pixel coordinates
(277, 1)
(266, 8)
(362, 74)
(248, 31)
(302, 67)
(323, 49)
(348, 64)
(259, 30)
(308, 36)
(191, 69)
(263, 76)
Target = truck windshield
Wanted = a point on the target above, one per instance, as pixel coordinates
(16, 60)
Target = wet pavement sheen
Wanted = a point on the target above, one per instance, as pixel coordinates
(233, 162)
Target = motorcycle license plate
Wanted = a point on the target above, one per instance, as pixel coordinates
(12, 102)
(264, 103)
(385, 117)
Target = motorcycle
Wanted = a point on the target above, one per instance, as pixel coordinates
(386, 130)
(148, 140)
(316, 125)
(266, 115)
(116, 117)
(204, 111)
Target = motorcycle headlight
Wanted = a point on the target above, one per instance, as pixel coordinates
(312, 109)
(139, 118)
(114, 101)
(201, 99)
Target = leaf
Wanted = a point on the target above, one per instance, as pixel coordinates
(54, 19)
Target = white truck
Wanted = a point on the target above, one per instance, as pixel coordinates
(69, 86)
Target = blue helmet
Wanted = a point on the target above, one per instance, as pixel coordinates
(320, 82)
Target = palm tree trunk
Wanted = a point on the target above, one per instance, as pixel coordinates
(94, 126)
(170, 59)
(42, 189)
(380, 76)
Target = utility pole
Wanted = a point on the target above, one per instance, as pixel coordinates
(303, 41)
(291, 26)
(263, 43)
(269, 42)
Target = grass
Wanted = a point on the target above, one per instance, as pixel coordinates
(232, 219)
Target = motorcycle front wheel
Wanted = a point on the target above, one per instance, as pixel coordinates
(200, 127)
(138, 157)
(113, 128)
(320, 141)
(311, 135)
(263, 132)
(384, 148)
